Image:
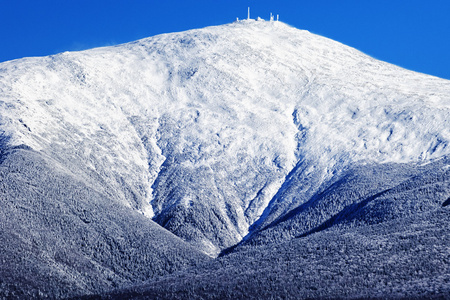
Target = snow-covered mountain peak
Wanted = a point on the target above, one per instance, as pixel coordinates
(200, 129)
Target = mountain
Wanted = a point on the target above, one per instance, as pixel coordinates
(126, 165)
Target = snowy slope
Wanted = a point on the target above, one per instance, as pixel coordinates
(204, 130)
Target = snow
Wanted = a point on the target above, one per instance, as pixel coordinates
(236, 107)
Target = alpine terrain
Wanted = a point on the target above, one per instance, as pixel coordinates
(250, 160)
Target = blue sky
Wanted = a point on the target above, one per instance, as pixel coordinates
(410, 33)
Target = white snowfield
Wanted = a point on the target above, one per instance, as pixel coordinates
(202, 127)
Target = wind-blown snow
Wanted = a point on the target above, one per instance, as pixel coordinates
(203, 127)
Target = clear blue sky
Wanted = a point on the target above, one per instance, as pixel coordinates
(414, 34)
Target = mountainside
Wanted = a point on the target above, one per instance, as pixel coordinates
(384, 261)
(244, 135)
(61, 237)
